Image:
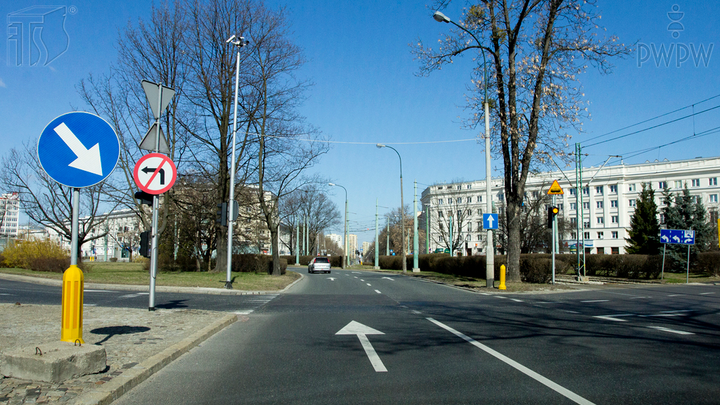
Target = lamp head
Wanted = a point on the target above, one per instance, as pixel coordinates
(380, 145)
(331, 184)
(237, 41)
(440, 17)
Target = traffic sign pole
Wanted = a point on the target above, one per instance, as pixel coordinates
(156, 201)
(554, 239)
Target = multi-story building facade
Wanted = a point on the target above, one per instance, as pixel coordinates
(607, 201)
(10, 215)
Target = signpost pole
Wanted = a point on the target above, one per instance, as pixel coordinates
(554, 238)
(156, 201)
(662, 271)
(687, 274)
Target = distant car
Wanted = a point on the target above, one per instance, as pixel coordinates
(319, 265)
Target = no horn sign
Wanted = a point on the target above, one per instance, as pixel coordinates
(155, 173)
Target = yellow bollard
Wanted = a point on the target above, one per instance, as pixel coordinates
(502, 278)
(72, 305)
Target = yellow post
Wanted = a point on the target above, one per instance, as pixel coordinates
(502, 278)
(72, 305)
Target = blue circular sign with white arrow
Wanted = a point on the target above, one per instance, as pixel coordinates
(78, 149)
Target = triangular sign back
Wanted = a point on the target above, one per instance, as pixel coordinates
(555, 189)
(152, 91)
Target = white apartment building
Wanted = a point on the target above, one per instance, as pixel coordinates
(352, 245)
(609, 196)
(338, 239)
(10, 219)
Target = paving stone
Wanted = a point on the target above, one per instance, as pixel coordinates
(119, 330)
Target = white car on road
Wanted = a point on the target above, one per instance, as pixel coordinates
(319, 265)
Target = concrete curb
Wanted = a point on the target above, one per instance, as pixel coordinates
(129, 379)
(145, 288)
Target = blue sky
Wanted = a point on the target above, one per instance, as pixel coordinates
(367, 91)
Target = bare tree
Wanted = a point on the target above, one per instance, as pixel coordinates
(312, 203)
(536, 50)
(45, 201)
(452, 223)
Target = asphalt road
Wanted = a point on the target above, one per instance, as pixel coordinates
(403, 340)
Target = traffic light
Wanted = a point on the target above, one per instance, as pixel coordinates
(221, 216)
(552, 212)
(145, 198)
(145, 244)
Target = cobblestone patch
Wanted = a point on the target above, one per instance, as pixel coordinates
(128, 335)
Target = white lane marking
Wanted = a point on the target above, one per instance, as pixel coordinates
(674, 295)
(592, 301)
(89, 305)
(638, 298)
(331, 278)
(416, 312)
(537, 377)
(676, 311)
(356, 328)
(377, 291)
(516, 300)
(4, 294)
(546, 302)
(613, 317)
(707, 293)
(389, 278)
(502, 298)
(98, 291)
(362, 280)
(368, 284)
(133, 295)
(485, 294)
(678, 332)
(569, 311)
(244, 312)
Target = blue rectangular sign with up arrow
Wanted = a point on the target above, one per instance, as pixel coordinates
(677, 236)
(490, 221)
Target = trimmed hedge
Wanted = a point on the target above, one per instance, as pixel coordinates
(335, 261)
(250, 263)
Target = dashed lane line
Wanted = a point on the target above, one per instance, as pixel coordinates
(664, 329)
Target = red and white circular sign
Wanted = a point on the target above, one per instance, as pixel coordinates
(155, 173)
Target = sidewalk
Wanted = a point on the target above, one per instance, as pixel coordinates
(138, 342)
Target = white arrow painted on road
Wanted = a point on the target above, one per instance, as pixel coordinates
(356, 328)
(88, 160)
(331, 278)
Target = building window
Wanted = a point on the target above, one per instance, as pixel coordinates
(439, 187)
(442, 228)
(586, 191)
(469, 200)
(586, 205)
(459, 214)
(631, 187)
(479, 226)
(480, 212)
(615, 250)
(440, 214)
(459, 200)
(631, 202)
(713, 198)
(469, 186)
(440, 201)
(586, 235)
(662, 185)
(712, 181)
(696, 182)
(573, 206)
(598, 190)
(614, 234)
(479, 199)
(572, 191)
(573, 221)
(601, 235)
(459, 187)
(614, 219)
(469, 227)
(678, 183)
(613, 203)
(560, 206)
(586, 224)
(613, 188)
(573, 235)
(599, 204)
(479, 238)
(600, 220)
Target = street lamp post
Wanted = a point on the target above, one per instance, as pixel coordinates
(345, 236)
(489, 250)
(402, 209)
(238, 43)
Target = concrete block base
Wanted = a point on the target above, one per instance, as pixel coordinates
(59, 361)
(583, 279)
